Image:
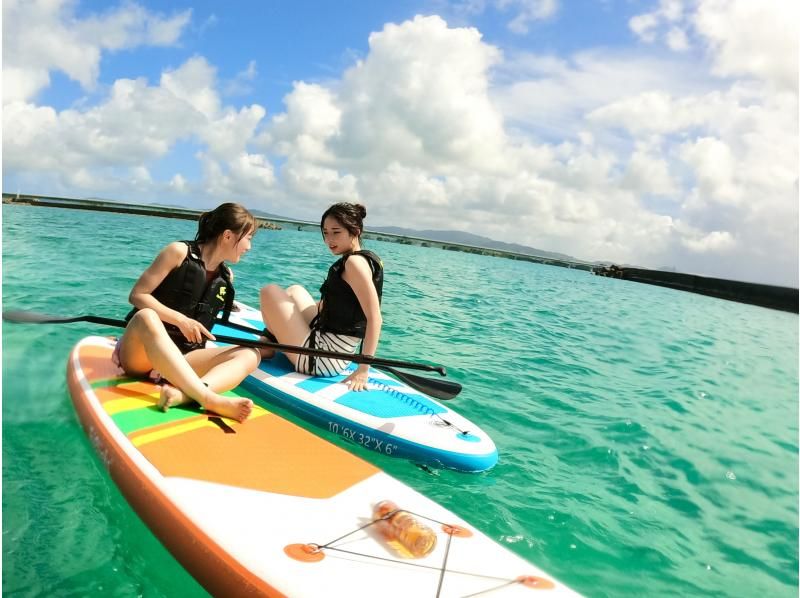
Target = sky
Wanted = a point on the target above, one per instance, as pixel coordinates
(658, 133)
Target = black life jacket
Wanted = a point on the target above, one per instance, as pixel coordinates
(186, 290)
(341, 313)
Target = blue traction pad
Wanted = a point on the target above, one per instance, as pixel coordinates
(227, 331)
(385, 402)
(257, 324)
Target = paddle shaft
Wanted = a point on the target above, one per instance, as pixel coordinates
(440, 389)
(356, 358)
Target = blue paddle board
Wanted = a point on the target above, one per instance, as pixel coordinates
(389, 417)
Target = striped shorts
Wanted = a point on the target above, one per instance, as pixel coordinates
(327, 341)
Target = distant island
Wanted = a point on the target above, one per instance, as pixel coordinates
(463, 238)
(449, 240)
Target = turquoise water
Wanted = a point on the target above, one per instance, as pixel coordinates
(647, 437)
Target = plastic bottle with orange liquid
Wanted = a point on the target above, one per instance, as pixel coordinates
(416, 538)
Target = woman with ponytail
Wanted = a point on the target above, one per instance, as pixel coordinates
(349, 312)
(175, 302)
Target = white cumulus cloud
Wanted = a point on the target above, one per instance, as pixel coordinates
(742, 37)
(715, 241)
(685, 155)
(42, 36)
(758, 39)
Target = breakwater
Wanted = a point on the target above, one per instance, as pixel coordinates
(773, 297)
(764, 295)
(101, 205)
(278, 223)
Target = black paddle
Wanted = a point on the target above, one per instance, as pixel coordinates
(439, 389)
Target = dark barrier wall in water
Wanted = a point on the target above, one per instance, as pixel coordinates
(783, 298)
(114, 206)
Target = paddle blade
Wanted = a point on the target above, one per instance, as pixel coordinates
(22, 316)
(31, 317)
(443, 390)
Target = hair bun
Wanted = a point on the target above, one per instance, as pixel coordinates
(361, 210)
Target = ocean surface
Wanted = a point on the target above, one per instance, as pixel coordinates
(648, 438)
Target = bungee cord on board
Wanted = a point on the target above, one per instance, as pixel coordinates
(313, 551)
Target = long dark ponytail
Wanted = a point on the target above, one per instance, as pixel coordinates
(228, 216)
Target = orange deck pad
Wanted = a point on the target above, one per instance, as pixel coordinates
(266, 453)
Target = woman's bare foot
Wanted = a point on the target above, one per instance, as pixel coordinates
(234, 407)
(171, 397)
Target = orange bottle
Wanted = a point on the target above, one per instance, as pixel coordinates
(414, 537)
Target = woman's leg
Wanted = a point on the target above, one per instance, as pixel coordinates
(284, 317)
(220, 368)
(145, 345)
(304, 301)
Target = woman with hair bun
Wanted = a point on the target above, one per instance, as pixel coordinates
(175, 302)
(349, 311)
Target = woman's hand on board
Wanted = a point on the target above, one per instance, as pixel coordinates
(358, 380)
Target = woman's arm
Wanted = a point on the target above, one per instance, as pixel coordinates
(141, 296)
(358, 274)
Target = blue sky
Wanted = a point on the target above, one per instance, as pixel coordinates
(315, 41)
(652, 132)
